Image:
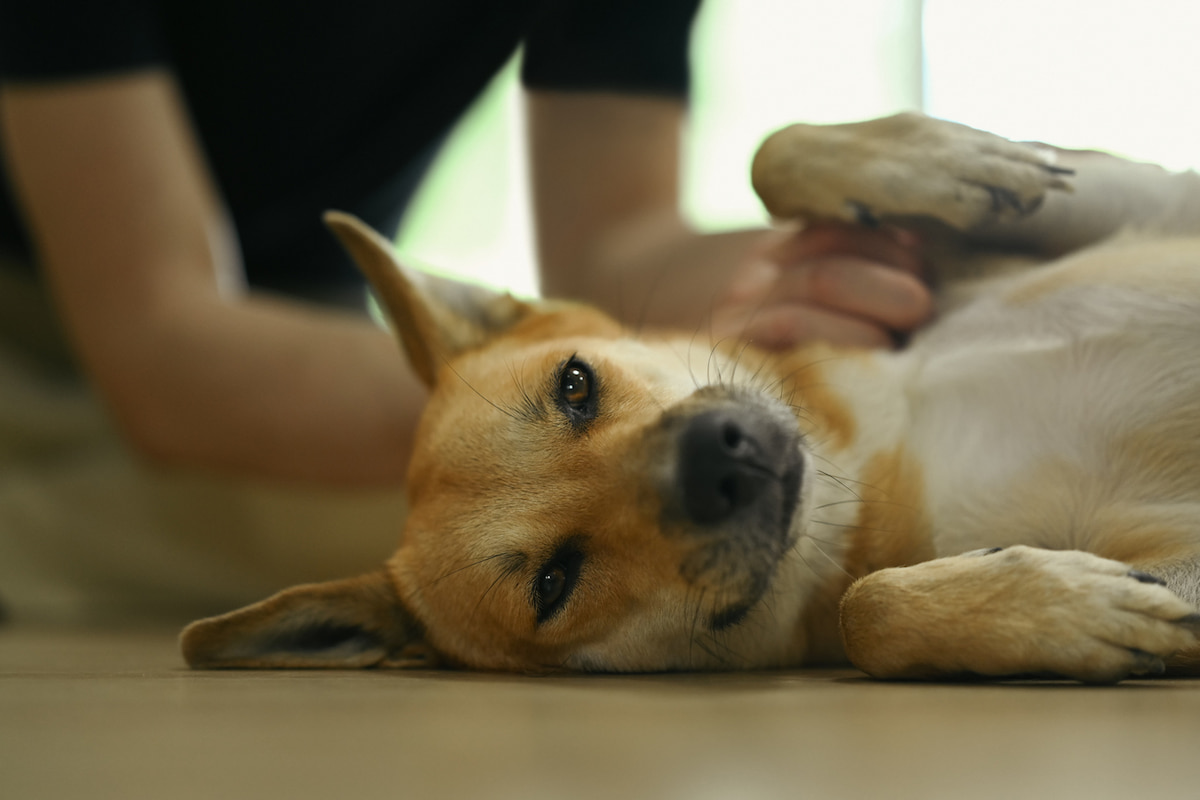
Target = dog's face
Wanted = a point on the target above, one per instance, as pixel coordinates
(578, 503)
(580, 499)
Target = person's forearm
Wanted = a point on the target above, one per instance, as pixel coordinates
(287, 393)
(139, 255)
(605, 172)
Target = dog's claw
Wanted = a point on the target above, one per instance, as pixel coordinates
(863, 214)
(1147, 663)
(1007, 201)
(1145, 577)
(986, 551)
(1191, 622)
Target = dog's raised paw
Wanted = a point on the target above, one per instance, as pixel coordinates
(906, 165)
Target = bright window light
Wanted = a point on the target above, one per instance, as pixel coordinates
(1106, 74)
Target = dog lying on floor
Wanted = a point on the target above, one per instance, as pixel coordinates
(1015, 492)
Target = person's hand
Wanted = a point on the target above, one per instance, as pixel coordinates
(841, 283)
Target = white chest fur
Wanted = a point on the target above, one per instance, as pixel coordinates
(1047, 391)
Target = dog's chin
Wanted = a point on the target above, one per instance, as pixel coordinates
(782, 537)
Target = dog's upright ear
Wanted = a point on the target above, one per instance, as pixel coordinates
(434, 317)
(344, 624)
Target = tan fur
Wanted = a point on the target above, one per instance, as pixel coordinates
(983, 502)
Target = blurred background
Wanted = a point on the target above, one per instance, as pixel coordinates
(1118, 75)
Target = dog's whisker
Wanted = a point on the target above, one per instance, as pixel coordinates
(695, 627)
(762, 365)
(506, 412)
(856, 501)
(491, 586)
(817, 546)
(711, 643)
(530, 408)
(861, 501)
(854, 526)
(737, 360)
(789, 378)
(687, 359)
(840, 485)
(806, 564)
(728, 653)
(517, 561)
(829, 542)
(712, 358)
(844, 482)
(710, 651)
(851, 480)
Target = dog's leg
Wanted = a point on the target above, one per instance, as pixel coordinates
(1110, 195)
(914, 170)
(907, 165)
(1017, 611)
(945, 181)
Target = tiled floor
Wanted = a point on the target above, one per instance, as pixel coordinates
(116, 715)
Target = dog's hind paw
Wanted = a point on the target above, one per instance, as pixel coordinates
(907, 165)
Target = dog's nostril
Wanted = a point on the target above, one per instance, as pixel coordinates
(738, 489)
(720, 468)
(728, 488)
(732, 435)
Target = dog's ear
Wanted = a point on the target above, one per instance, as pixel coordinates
(345, 624)
(435, 318)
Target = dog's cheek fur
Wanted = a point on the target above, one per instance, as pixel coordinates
(473, 543)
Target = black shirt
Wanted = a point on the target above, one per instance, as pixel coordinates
(303, 106)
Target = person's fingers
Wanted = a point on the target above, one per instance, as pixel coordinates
(856, 287)
(842, 283)
(784, 325)
(891, 246)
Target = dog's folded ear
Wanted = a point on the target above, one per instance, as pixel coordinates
(435, 318)
(345, 624)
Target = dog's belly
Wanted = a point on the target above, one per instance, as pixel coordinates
(1059, 400)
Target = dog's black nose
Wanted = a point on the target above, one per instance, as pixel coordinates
(725, 465)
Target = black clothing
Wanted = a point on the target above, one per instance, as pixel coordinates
(302, 106)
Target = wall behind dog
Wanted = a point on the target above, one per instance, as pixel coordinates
(1110, 74)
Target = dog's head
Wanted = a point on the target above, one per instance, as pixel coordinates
(581, 498)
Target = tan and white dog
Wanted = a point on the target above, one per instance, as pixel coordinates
(1015, 492)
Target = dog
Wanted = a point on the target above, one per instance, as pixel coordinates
(1015, 492)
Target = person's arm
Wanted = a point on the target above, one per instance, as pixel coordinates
(145, 272)
(606, 198)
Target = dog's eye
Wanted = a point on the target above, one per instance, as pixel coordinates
(556, 580)
(577, 391)
(550, 587)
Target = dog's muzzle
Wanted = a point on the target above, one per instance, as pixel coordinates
(736, 489)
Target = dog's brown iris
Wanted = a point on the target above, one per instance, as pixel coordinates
(576, 386)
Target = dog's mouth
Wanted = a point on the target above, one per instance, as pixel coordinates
(733, 614)
(737, 493)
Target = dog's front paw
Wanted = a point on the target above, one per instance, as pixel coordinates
(902, 166)
(1016, 611)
